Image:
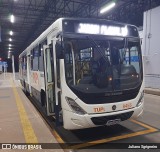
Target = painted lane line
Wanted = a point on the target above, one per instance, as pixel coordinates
(58, 138)
(143, 125)
(28, 131)
(102, 141)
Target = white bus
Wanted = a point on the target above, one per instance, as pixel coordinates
(88, 71)
(1, 69)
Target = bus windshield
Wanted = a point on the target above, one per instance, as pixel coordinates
(108, 65)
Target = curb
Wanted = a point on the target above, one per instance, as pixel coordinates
(152, 91)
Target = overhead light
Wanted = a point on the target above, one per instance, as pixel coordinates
(9, 45)
(11, 32)
(12, 18)
(9, 48)
(107, 7)
(10, 39)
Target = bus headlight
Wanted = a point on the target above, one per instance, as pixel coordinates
(140, 100)
(75, 107)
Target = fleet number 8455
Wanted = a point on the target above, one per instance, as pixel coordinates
(127, 105)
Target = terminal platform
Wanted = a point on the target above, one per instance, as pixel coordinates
(21, 122)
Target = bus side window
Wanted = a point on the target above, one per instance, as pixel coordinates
(20, 66)
(41, 56)
(41, 62)
(25, 66)
(35, 59)
(31, 59)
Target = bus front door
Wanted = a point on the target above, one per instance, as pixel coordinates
(49, 80)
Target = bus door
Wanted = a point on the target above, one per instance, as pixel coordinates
(49, 79)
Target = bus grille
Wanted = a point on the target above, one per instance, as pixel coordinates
(103, 120)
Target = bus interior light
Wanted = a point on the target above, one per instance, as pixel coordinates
(75, 107)
(110, 78)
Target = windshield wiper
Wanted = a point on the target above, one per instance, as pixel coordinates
(100, 50)
(105, 59)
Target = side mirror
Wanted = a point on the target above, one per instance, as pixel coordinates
(59, 51)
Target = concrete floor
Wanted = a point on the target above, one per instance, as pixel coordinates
(151, 117)
(13, 126)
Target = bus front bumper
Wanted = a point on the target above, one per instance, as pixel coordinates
(75, 121)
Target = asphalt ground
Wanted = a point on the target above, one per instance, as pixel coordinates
(143, 131)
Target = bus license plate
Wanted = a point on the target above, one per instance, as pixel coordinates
(113, 122)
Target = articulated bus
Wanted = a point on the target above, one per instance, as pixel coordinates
(85, 72)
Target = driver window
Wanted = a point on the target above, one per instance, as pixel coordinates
(134, 48)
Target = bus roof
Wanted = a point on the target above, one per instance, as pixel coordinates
(72, 25)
